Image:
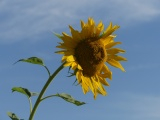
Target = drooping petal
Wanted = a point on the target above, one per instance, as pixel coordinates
(115, 64)
(88, 81)
(84, 85)
(78, 76)
(106, 72)
(102, 80)
(98, 86)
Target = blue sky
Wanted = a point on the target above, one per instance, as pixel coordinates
(26, 30)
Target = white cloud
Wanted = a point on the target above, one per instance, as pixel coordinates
(24, 19)
(130, 10)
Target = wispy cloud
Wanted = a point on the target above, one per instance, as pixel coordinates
(24, 19)
(139, 10)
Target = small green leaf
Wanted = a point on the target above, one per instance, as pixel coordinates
(22, 90)
(70, 99)
(33, 60)
(12, 116)
(34, 94)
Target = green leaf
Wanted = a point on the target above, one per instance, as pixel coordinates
(33, 60)
(22, 90)
(12, 116)
(70, 99)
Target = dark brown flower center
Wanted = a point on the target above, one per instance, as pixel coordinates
(91, 55)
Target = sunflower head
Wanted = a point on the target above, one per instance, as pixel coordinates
(87, 51)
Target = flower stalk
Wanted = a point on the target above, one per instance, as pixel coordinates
(50, 79)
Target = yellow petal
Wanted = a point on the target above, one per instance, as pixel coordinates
(78, 76)
(108, 39)
(91, 22)
(85, 32)
(109, 27)
(111, 44)
(69, 52)
(115, 51)
(95, 95)
(103, 91)
(79, 67)
(64, 58)
(98, 86)
(115, 64)
(102, 80)
(66, 53)
(106, 72)
(91, 27)
(84, 86)
(75, 34)
(98, 91)
(82, 24)
(117, 58)
(99, 28)
(61, 51)
(67, 64)
(70, 58)
(74, 65)
(110, 30)
(89, 83)
(66, 46)
(66, 37)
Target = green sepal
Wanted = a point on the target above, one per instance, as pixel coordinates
(72, 73)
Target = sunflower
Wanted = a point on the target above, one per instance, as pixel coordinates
(86, 53)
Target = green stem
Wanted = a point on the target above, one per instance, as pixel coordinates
(47, 70)
(48, 97)
(43, 91)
